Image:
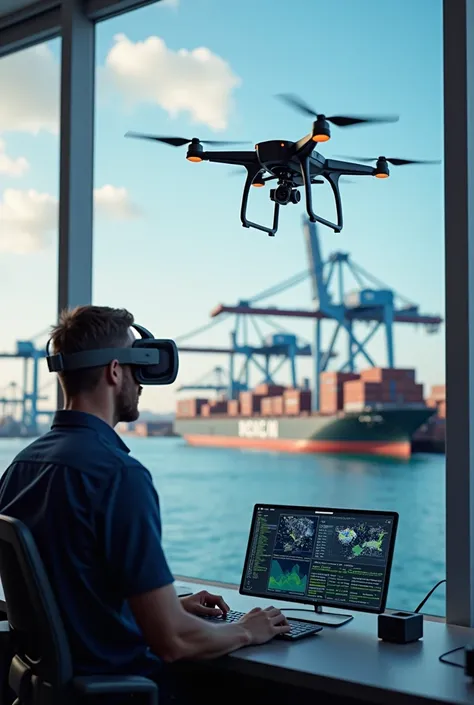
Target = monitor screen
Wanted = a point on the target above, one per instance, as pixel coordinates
(321, 556)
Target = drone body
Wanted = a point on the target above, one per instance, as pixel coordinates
(291, 164)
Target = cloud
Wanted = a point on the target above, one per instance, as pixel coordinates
(194, 81)
(28, 219)
(30, 91)
(114, 202)
(9, 166)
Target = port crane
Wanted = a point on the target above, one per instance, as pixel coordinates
(268, 356)
(215, 381)
(30, 395)
(372, 303)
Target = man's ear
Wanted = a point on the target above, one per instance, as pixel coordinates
(113, 373)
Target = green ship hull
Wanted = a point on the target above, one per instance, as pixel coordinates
(384, 431)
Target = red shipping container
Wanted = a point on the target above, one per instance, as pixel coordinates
(382, 374)
(297, 401)
(278, 406)
(266, 407)
(269, 390)
(189, 407)
(334, 376)
(233, 407)
(438, 392)
(391, 392)
(205, 410)
(218, 407)
(332, 390)
(358, 390)
(249, 403)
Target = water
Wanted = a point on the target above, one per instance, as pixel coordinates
(207, 496)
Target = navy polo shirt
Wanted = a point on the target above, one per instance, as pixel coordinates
(95, 516)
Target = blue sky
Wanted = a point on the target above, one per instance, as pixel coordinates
(187, 251)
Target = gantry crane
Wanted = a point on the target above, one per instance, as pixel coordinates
(276, 347)
(27, 401)
(372, 303)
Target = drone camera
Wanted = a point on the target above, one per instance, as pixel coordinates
(285, 194)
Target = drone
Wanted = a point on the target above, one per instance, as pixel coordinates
(292, 164)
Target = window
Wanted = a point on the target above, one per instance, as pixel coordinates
(29, 191)
(169, 246)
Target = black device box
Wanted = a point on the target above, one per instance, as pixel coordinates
(469, 660)
(400, 627)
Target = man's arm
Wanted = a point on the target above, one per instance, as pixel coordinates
(173, 634)
(139, 572)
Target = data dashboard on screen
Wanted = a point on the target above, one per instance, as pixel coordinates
(323, 556)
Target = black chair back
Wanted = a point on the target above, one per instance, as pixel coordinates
(42, 660)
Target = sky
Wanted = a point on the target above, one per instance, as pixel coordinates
(168, 242)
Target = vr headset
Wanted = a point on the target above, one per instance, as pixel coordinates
(152, 361)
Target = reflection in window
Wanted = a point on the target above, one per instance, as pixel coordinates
(176, 249)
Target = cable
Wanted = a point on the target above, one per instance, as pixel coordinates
(452, 663)
(443, 658)
(429, 595)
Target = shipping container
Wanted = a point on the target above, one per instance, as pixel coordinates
(296, 401)
(392, 391)
(250, 403)
(278, 406)
(266, 406)
(382, 374)
(438, 392)
(334, 376)
(331, 397)
(233, 407)
(189, 407)
(218, 407)
(269, 390)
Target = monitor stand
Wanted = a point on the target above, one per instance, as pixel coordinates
(318, 616)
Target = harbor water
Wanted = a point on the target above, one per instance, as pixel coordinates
(207, 496)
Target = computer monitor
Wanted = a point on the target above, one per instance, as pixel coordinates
(321, 557)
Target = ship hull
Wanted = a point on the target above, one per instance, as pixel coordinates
(380, 433)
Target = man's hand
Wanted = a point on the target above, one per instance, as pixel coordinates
(263, 625)
(203, 603)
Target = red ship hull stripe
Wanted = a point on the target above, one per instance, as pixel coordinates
(399, 449)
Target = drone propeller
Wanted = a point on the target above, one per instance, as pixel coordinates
(178, 141)
(395, 161)
(339, 120)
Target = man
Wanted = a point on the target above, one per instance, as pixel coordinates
(95, 516)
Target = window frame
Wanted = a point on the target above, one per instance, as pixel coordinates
(75, 21)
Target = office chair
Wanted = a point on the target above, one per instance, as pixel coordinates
(41, 668)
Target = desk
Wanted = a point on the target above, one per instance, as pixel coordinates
(351, 661)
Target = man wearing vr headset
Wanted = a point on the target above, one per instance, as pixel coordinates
(95, 514)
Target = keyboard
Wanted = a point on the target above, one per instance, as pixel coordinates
(299, 629)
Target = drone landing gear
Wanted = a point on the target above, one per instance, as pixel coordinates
(251, 174)
(334, 181)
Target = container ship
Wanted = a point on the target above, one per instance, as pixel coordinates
(431, 436)
(376, 412)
